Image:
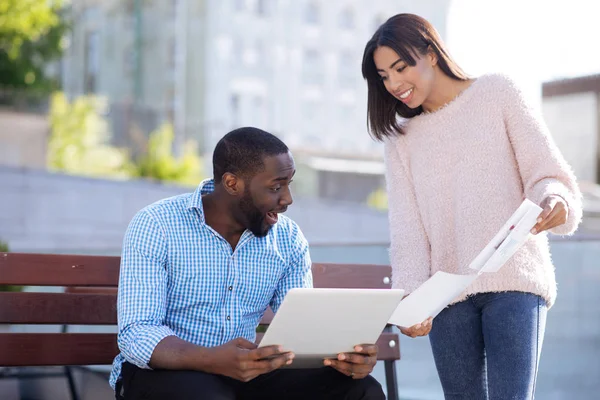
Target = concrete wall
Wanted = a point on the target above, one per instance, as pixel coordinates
(46, 212)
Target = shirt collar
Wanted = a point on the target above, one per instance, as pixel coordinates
(206, 186)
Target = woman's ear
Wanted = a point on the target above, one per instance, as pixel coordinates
(432, 56)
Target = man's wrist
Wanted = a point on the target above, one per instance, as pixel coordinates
(203, 359)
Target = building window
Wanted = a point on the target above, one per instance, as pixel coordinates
(312, 13)
(173, 8)
(238, 51)
(234, 103)
(262, 8)
(378, 21)
(91, 14)
(347, 116)
(347, 19)
(128, 60)
(348, 73)
(172, 55)
(260, 113)
(259, 53)
(239, 5)
(312, 67)
(312, 117)
(92, 61)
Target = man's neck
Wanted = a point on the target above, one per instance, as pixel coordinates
(218, 215)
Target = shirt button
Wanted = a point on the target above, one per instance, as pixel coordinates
(230, 288)
(228, 318)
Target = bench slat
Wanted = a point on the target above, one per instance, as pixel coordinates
(45, 349)
(58, 308)
(82, 270)
(351, 276)
(58, 270)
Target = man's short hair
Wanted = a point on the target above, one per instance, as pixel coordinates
(241, 152)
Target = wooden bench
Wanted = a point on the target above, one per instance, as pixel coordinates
(89, 298)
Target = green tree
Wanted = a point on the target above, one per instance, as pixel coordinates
(79, 139)
(31, 35)
(158, 161)
(79, 145)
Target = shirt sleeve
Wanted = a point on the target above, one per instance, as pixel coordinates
(543, 169)
(142, 293)
(410, 253)
(299, 271)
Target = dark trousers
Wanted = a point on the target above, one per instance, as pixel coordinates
(312, 384)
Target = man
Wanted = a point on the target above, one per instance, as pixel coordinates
(197, 273)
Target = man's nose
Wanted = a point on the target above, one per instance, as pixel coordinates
(286, 198)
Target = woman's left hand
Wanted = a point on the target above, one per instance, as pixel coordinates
(555, 212)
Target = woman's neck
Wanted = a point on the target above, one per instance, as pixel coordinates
(445, 89)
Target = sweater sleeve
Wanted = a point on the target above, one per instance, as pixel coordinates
(409, 246)
(543, 169)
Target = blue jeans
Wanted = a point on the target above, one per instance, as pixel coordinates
(488, 346)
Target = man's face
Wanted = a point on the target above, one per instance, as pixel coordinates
(268, 194)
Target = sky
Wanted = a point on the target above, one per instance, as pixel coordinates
(532, 40)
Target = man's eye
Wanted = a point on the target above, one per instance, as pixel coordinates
(276, 189)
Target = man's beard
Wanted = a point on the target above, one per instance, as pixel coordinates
(255, 219)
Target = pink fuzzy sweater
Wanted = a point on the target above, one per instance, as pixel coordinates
(456, 176)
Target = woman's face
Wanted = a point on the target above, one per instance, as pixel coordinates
(411, 85)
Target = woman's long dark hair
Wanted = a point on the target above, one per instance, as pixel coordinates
(408, 35)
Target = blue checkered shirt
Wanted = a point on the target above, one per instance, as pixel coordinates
(180, 277)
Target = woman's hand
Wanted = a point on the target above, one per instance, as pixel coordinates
(555, 212)
(421, 329)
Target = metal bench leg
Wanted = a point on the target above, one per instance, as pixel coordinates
(69, 372)
(71, 382)
(391, 379)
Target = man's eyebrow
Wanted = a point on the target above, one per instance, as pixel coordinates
(285, 178)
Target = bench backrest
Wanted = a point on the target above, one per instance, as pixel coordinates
(90, 299)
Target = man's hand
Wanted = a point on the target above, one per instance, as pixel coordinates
(554, 213)
(242, 360)
(357, 365)
(421, 329)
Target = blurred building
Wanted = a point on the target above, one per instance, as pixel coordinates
(292, 67)
(571, 108)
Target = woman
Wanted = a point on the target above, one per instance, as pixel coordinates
(461, 154)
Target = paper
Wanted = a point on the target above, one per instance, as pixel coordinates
(429, 299)
(508, 240)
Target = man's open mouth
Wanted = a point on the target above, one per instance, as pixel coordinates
(271, 218)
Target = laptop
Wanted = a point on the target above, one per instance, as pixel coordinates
(316, 324)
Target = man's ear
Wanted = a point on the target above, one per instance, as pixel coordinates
(233, 184)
